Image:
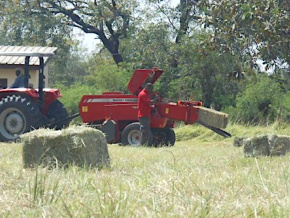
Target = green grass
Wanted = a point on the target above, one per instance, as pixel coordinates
(204, 176)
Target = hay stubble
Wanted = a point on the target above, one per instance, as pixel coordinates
(194, 178)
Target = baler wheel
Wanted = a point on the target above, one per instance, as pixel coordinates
(17, 116)
(58, 112)
(131, 135)
(163, 137)
(170, 136)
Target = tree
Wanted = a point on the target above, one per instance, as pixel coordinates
(204, 72)
(109, 20)
(260, 28)
(179, 17)
(260, 102)
(20, 26)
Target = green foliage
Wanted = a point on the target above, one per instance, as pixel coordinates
(20, 26)
(106, 78)
(69, 67)
(108, 20)
(149, 47)
(71, 96)
(109, 78)
(260, 103)
(205, 72)
(259, 27)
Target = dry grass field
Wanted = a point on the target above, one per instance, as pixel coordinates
(203, 175)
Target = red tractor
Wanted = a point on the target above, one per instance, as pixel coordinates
(115, 113)
(25, 109)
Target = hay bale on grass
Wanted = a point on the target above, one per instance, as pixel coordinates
(264, 145)
(238, 142)
(279, 145)
(212, 117)
(256, 146)
(81, 146)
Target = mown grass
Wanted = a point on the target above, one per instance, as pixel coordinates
(203, 176)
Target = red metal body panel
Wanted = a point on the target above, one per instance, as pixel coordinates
(50, 95)
(173, 111)
(97, 108)
(142, 76)
(32, 93)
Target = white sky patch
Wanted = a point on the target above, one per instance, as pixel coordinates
(88, 40)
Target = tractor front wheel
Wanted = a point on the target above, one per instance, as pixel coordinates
(58, 114)
(17, 116)
(131, 135)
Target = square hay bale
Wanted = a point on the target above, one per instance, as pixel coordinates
(264, 145)
(81, 146)
(279, 145)
(238, 142)
(212, 117)
(257, 146)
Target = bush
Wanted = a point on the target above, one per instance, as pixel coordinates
(72, 96)
(260, 103)
(110, 78)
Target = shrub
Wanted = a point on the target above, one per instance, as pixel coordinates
(259, 104)
(73, 94)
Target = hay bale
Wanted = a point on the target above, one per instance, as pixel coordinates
(238, 142)
(280, 145)
(81, 146)
(264, 145)
(212, 118)
(257, 146)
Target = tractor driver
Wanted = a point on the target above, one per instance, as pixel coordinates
(19, 81)
(144, 109)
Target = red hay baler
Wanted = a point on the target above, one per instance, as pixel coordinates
(115, 113)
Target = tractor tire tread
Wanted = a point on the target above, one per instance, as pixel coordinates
(30, 110)
(58, 112)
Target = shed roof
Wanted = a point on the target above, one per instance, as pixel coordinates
(24, 51)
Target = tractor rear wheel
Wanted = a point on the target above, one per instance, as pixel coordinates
(131, 135)
(56, 113)
(17, 116)
(163, 137)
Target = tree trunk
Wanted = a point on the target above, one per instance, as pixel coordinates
(112, 45)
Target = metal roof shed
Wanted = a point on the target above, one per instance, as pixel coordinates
(9, 63)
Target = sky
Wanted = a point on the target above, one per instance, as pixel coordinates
(88, 40)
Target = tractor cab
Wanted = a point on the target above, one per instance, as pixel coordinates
(25, 108)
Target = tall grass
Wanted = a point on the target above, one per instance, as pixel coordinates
(201, 133)
(204, 176)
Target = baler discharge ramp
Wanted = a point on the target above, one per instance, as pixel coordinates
(213, 120)
(191, 112)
